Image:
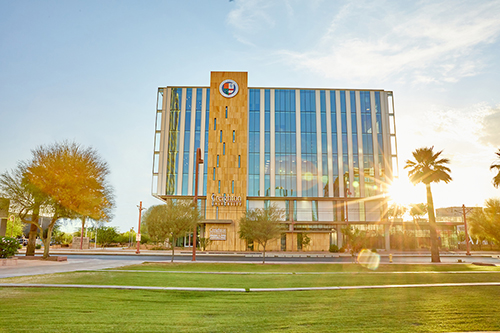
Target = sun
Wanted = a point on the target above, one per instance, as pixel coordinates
(403, 192)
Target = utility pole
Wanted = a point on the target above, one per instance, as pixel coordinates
(195, 231)
(138, 235)
(466, 231)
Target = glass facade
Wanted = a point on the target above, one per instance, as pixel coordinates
(173, 140)
(341, 138)
(285, 147)
(309, 143)
(253, 143)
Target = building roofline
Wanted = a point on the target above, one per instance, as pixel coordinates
(286, 88)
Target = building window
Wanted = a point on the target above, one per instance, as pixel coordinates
(214, 173)
(224, 148)
(226, 111)
(232, 186)
(216, 213)
(219, 186)
(234, 136)
(217, 160)
(215, 124)
(239, 161)
(220, 135)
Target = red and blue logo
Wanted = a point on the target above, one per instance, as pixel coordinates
(228, 88)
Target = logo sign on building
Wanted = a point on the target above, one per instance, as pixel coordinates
(217, 234)
(228, 88)
(225, 200)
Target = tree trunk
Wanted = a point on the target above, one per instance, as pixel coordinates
(432, 225)
(46, 242)
(173, 249)
(81, 236)
(30, 248)
(264, 254)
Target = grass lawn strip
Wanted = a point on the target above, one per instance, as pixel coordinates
(453, 309)
(287, 273)
(90, 286)
(248, 280)
(340, 267)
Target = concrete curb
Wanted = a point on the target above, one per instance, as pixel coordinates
(89, 286)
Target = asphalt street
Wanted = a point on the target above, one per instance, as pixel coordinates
(279, 258)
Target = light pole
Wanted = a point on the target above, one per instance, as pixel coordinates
(195, 231)
(466, 231)
(138, 235)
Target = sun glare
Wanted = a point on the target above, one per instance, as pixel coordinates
(402, 192)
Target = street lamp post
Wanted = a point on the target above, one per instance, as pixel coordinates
(466, 231)
(138, 235)
(199, 160)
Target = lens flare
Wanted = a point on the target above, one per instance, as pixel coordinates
(369, 259)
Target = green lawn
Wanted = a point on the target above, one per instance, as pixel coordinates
(434, 309)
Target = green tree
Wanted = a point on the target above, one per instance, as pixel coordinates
(485, 224)
(429, 168)
(107, 235)
(26, 200)
(14, 227)
(418, 210)
(75, 178)
(397, 210)
(171, 221)
(496, 165)
(262, 225)
(61, 180)
(356, 239)
(476, 223)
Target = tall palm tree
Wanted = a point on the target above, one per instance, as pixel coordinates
(429, 168)
(496, 165)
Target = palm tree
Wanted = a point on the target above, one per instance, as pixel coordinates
(429, 168)
(496, 165)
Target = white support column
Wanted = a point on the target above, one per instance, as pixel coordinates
(360, 147)
(165, 123)
(339, 144)
(329, 142)
(298, 140)
(262, 135)
(319, 144)
(375, 138)
(273, 148)
(349, 139)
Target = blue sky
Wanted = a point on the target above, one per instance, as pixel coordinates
(88, 71)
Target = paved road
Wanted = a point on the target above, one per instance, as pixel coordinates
(302, 258)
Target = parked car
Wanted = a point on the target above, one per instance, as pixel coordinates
(23, 241)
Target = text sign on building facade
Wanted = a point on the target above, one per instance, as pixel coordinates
(217, 234)
(226, 200)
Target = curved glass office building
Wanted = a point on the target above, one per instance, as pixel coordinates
(323, 155)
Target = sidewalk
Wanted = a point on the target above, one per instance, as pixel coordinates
(304, 254)
(39, 267)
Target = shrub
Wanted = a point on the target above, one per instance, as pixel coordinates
(38, 246)
(8, 247)
(159, 248)
(145, 239)
(374, 250)
(334, 248)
